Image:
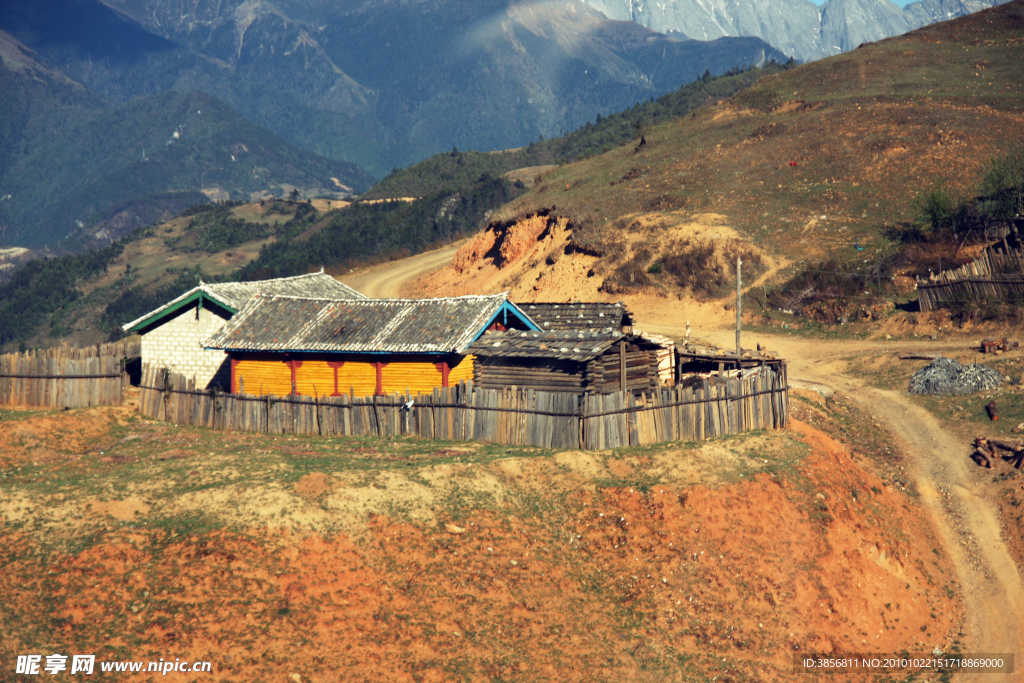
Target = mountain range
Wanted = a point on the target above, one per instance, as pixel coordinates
(70, 159)
(799, 28)
(102, 98)
(381, 84)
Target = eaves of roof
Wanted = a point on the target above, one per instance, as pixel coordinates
(187, 299)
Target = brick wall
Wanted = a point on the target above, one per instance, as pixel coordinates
(177, 346)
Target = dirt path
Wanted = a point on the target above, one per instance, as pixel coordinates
(951, 489)
(950, 485)
(391, 280)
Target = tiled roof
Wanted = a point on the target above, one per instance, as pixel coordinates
(277, 323)
(563, 345)
(312, 286)
(578, 316)
(235, 294)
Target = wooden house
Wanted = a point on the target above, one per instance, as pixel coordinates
(318, 347)
(599, 362)
(584, 317)
(173, 334)
(695, 364)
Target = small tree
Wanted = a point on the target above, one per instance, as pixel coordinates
(1002, 184)
(937, 208)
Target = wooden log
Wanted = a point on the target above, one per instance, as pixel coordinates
(1015, 445)
(979, 456)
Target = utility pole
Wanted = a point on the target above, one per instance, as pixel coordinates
(739, 283)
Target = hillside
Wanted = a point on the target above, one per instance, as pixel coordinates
(86, 297)
(459, 561)
(819, 162)
(457, 168)
(74, 159)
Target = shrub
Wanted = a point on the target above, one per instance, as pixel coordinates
(1002, 185)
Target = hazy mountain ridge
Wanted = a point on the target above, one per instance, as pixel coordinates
(386, 84)
(799, 28)
(69, 157)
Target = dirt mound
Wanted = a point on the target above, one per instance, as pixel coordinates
(545, 257)
(314, 485)
(28, 436)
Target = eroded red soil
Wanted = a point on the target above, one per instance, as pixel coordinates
(612, 584)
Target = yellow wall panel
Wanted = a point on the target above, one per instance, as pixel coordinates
(358, 377)
(264, 377)
(418, 374)
(416, 377)
(315, 378)
(461, 372)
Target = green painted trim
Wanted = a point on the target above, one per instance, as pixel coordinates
(200, 296)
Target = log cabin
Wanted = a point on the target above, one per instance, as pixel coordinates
(284, 345)
(173, 334)
(579, 316)
(598, 362)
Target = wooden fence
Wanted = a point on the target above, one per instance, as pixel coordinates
(705, 409)
(53, 382)
(66, 376)
(1008, 288)
(996, 275)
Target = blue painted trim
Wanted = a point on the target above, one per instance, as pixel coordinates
(504, 310)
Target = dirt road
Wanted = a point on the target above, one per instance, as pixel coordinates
(390, 280)
(950, 487)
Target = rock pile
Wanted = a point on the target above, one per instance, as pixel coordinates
(946, 377)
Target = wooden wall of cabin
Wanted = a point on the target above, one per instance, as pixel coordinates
(496, 372)
(603, 374)
(335, 374)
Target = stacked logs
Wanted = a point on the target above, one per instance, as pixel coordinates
(988, 450)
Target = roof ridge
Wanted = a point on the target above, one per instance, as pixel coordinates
(273, 279)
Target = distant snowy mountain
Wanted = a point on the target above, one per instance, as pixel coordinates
(798, 28)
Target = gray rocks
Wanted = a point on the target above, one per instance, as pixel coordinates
(947, 377)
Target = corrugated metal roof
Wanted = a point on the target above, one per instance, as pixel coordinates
(235, 294)
(563, 345)
(279, 323)
(578, 316)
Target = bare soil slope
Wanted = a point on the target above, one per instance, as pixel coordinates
(365, 559)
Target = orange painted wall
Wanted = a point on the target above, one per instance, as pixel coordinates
(358, 376)
(461, 372)
(263, 376)
(270, 374)
(415, 376)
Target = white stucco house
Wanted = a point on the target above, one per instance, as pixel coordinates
(173, 335)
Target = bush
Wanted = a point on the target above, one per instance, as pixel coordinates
(1002, 185)
(937, 209)
(834, 292)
